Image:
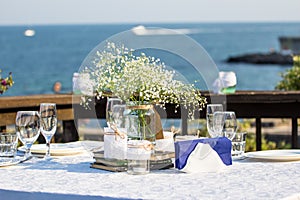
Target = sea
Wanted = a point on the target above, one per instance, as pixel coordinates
(55, 52)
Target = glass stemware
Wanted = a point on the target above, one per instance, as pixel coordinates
(118, 116)
(225, 123)
(230, 125)
(28, 129)
(111, 102)
(48, 124)
(210, 110)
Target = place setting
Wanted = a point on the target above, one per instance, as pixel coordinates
(215, 123)
(224, 124)
(28, 127)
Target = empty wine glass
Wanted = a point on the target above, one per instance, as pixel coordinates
(218, 123)
(210, 110)
(230, 125)
(28, 129)
(48, 124)
(225, 123)
(118, 115)
(111, 102)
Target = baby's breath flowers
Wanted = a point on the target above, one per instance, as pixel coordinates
(5, 83)
(140, 80)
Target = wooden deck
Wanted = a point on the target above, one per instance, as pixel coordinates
(246, 104)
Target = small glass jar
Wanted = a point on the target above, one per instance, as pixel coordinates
(8, 144)
(138, 157)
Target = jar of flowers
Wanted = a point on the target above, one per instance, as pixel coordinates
(141, 82)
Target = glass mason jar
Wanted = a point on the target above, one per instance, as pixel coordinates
(138, 156)
(140, 122)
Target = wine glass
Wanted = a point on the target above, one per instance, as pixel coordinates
(28, 129)
(118, 115)
(218, 121)
(111, 102)
(225, 123)
(48, 124)
(210, 110)
(230, 124)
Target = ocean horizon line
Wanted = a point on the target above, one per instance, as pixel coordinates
(149, 23)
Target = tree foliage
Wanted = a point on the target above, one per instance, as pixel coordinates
(291, 78)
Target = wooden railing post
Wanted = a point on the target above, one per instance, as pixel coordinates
(294, 133)
(70, 133)
(2, 128)
(184, 121)
(258, 133)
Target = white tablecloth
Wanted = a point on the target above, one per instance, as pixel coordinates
(70, 177)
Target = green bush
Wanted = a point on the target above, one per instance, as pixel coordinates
(291, 78)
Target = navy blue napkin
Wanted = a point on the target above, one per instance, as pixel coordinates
(183, 149)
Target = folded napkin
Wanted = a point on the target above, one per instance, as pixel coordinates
(167, 143)
(203, 155)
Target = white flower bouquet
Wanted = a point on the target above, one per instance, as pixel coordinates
(138, 80)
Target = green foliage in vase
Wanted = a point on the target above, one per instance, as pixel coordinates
(291, 78)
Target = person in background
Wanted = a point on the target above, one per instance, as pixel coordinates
(57, 87)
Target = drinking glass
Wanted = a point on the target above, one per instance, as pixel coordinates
(48, 124)
(238, 145)
(111, 102)
(138, 156)
(28, 129)
(210, 110)
(225, 123)
(118, 115)
(8, 144)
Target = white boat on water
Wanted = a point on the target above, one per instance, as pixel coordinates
(142, 30)
(29, 33)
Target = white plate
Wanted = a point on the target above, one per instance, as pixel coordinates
(276, 155)
(4, 162)
(56, 149)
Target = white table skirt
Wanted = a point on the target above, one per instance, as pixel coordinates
(70, 177)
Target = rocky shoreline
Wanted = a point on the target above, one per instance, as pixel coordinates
(262, 58)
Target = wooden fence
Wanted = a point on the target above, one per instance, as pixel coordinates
(246, 104)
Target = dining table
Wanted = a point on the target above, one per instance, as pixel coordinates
(71, 177)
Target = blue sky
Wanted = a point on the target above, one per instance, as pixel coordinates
(30, 12)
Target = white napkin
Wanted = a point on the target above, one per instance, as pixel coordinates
(165, 145)
(203, 159)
